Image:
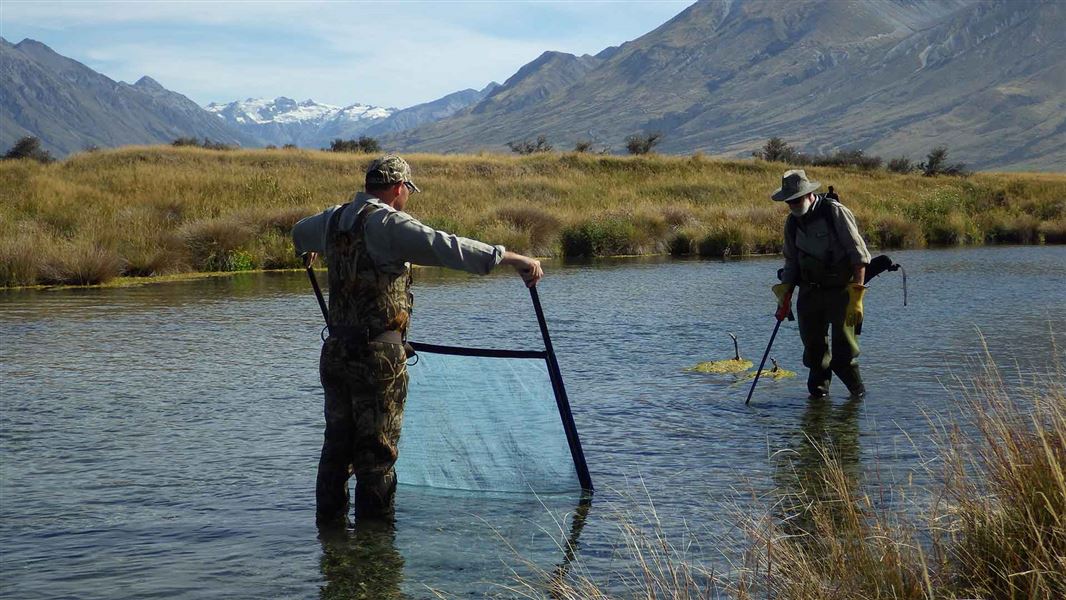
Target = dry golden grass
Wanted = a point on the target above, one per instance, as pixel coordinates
(168, 209)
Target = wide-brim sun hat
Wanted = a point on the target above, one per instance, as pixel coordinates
(794, 184)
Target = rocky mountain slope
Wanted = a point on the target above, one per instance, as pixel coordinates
(891, 77)
(71, 107)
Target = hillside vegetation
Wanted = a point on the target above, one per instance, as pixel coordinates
(146, 211)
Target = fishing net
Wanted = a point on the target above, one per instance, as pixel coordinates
(488, 420)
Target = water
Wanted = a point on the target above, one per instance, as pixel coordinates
(162, 440)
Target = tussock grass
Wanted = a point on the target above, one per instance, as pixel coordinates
(992, 526)
(174, 209)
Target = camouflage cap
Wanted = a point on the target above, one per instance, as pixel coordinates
(390, 169)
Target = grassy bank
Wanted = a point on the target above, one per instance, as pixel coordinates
(160, 210)
(993, 526)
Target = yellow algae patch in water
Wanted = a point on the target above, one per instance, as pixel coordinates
(732, 365)
(722, 366)
(775, 374)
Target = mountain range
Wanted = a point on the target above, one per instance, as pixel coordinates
(71, 107)
(311, 124)
(889, 77)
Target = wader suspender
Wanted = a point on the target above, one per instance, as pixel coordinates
(333, 219)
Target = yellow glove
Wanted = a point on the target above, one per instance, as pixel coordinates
(853, 313)
(783, 291)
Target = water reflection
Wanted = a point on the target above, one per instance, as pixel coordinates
(570, 550)
(365, 560)
(361, 562)
(808, 473)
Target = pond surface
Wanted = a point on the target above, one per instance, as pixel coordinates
(162, 440)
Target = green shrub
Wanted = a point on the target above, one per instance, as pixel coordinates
(274, 250)
(901, 164)
(891, 231)
(936, 163)
(149, 257)
(81, 263)
(776, 150)
(214, 244)
(1054, 232)
(29, 147)
(19, 261)
(848, 158)
(365, 145)
(728, 239)
(953, 230)
(684, 242)
(530, 147)
(541, 227)
(643, 143)
(610, 236)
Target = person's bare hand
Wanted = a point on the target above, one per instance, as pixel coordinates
(528, 268)
(531, 272)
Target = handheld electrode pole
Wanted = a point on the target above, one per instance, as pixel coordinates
(763, 361)
(561, 399)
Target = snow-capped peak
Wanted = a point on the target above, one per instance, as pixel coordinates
(260, 111)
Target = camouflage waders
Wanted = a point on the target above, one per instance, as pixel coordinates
(365, 382)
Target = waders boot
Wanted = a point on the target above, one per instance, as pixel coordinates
(850, 377)
(331, 493)
(818, 383)
(374, 495)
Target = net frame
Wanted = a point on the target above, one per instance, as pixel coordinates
(562, 401)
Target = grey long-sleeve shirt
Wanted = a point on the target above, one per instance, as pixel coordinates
(394, 238)
(847, 241)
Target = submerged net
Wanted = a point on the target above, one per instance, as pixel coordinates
(488, 420)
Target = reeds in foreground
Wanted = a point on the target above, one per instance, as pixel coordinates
(994, 527)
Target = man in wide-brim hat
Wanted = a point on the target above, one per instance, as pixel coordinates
(826, 257)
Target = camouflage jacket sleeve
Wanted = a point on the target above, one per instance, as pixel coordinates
(309, 234)
(394, 237)
(790, 274)
(847, 230)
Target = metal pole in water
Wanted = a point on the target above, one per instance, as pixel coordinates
(763, 361)
(561, 399)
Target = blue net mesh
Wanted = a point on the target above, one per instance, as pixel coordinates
(484, 423)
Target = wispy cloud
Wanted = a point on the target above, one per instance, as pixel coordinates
(391, 54)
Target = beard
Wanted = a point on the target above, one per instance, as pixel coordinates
(798, 209)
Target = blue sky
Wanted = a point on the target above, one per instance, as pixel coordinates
(394, 54)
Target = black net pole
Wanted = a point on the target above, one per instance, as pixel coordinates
(561, 399)
(318, 294)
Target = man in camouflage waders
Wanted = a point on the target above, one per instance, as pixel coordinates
(826, 257)
(369, 244)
